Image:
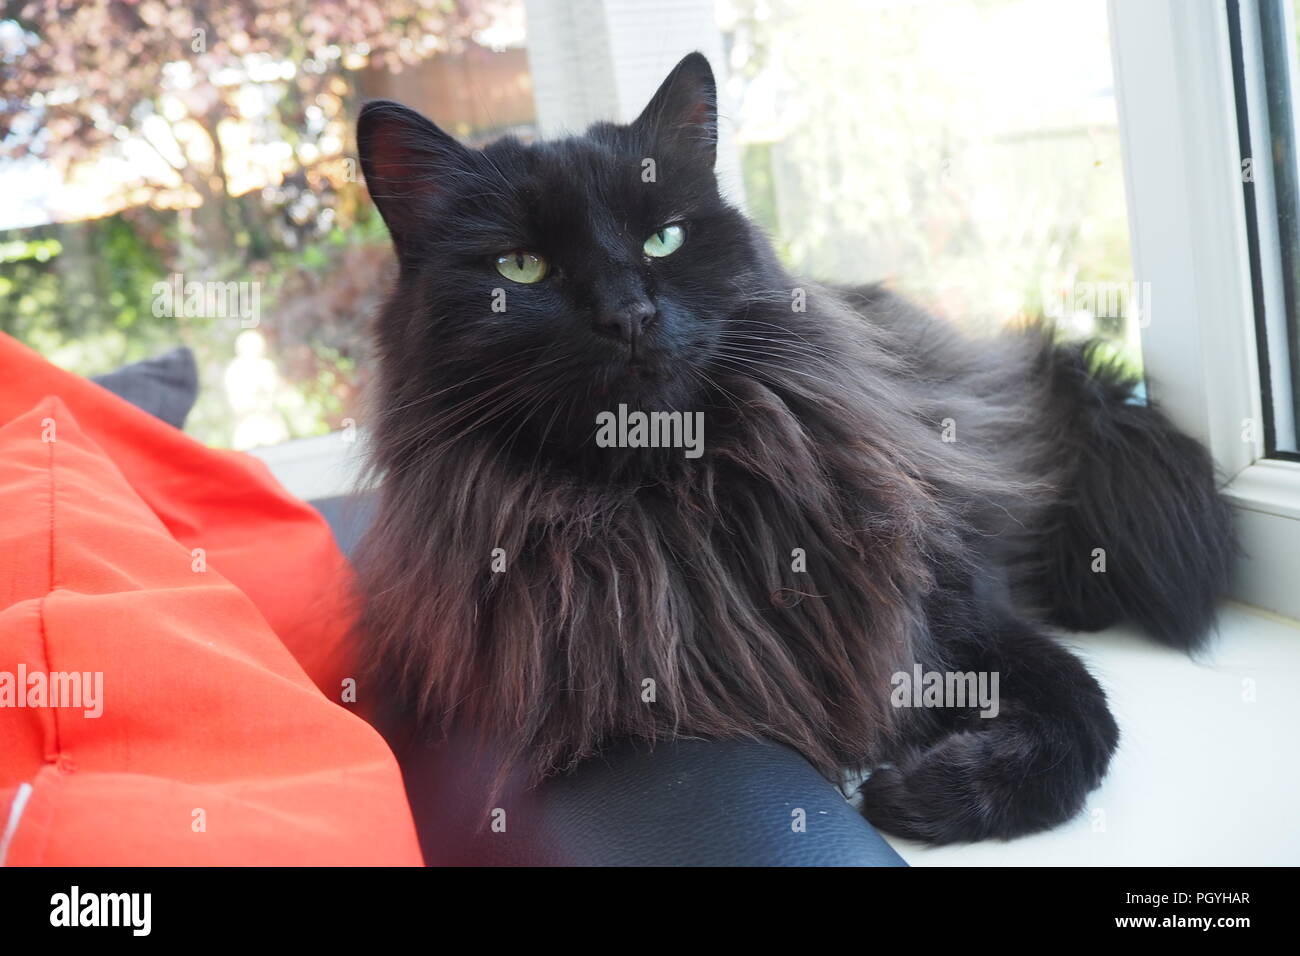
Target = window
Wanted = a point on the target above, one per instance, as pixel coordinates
(207, 149)
(1021, 151)
(1263, 38)
(966, 152)
(1211, 225)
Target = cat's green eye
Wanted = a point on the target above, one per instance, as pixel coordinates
(664, 242)
(525, 267)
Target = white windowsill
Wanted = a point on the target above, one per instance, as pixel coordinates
(325, 466)
(1267, 500)
(1268, 486)
(1202, 776)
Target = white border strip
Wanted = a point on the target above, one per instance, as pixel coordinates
(15, 814)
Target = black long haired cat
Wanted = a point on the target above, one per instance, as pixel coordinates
(875, 492)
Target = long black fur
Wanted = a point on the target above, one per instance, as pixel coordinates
(948, 494)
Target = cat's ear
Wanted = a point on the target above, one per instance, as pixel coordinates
(408, 163)
(683, 114)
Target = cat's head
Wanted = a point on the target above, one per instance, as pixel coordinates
(540, 283)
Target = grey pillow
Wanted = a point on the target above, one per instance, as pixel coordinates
(164, 386)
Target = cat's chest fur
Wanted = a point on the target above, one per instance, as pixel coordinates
(746, 593)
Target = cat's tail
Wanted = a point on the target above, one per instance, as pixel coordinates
(1140, 532)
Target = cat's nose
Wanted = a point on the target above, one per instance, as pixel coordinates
(627, 321)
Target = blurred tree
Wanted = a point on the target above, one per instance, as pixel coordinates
(191, 93)
(213, 139)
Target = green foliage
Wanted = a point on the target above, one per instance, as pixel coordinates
(82, 83)
(82, 295)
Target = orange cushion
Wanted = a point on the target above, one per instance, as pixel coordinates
(273, 547)
(212, 745)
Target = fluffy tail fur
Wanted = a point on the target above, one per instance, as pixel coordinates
(1141, 532)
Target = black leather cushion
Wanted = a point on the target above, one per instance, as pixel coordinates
(689, 803)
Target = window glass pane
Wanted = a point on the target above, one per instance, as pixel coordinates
(202, 149)
(1286, 391)
(1281, 347)
(1264, 43)
(965, 151)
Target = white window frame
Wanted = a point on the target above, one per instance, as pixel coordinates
(1187, 223)
(602, 60)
